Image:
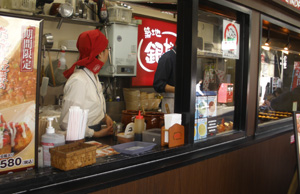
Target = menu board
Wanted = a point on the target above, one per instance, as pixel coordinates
(205, 117)
(297, 138)
(19, 40)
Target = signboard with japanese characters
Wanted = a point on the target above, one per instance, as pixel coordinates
(296, 75)
(231, 39)
(293, 5)
(19, 40)
(155, 37)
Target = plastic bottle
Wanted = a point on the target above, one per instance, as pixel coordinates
(139, 126)
(62, 61)
(49, 140)
(59, 70)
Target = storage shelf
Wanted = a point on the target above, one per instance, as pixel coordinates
(58, 50)
(23, 14)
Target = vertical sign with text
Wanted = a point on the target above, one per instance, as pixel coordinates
(296, 75)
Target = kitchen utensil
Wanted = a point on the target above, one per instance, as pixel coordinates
(65, 10)
(167, 108)
(48, 42)
(44, 87)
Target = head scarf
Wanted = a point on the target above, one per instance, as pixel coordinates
(89, 44)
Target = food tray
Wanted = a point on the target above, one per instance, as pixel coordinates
(73, 155)
(135, 147)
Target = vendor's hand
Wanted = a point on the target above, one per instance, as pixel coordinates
(109, 121)
(104, 132)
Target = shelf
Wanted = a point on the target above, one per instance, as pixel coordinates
(204, 53)
(58, 50)
(22, 14)
(80, 21)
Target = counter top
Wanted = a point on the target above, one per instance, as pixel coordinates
(113, 170)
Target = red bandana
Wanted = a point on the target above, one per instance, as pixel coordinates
(89, 44)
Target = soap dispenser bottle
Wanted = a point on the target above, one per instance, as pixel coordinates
(49, 140)
(139, 126)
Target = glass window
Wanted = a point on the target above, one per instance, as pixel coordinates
(218, 62)
(279, 78)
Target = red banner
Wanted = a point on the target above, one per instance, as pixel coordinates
(293, 3)
(27, 49)
(296, 75)
(155, 37)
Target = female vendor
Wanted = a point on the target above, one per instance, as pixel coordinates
(83, 88)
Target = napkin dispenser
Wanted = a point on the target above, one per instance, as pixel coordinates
(172, 137)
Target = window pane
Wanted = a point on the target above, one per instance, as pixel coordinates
(217, 54)
(279, 90)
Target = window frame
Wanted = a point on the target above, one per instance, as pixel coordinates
(187, 64)
(283, 125)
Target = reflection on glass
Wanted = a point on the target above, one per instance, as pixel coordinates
(279, 81)
(218, 50)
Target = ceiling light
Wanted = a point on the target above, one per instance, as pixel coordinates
(266, 46)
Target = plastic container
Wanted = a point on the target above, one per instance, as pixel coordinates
(119, 14)
(139, 126)
(135, 147)
(152, 135)
(62, 61)
(49, 140)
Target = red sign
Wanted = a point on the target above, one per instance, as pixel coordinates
(155, 37)
(296, 75)
(293, 3)
(27, 49)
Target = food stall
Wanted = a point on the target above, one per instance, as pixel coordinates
(222, 138)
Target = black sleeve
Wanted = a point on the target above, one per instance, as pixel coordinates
(283, 102)
(162, 74)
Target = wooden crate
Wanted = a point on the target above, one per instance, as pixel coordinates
(73, 155)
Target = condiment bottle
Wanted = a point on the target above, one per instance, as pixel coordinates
(139, 126)
(49, 140)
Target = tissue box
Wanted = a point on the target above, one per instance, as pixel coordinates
(152, 135)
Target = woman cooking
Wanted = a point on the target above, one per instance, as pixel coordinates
(83, 88)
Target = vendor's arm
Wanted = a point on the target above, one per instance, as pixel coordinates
(73, 96)
(169, 88)
(104, 132)
(108, 120)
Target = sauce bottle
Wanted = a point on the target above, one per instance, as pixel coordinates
(139, 126)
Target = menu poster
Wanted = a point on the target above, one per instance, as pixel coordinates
(202, 128)
(212, 106)
(296, 75)
(19, 41)
(196, 135)
(297, 138)
(201, 104)
(212, 126)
